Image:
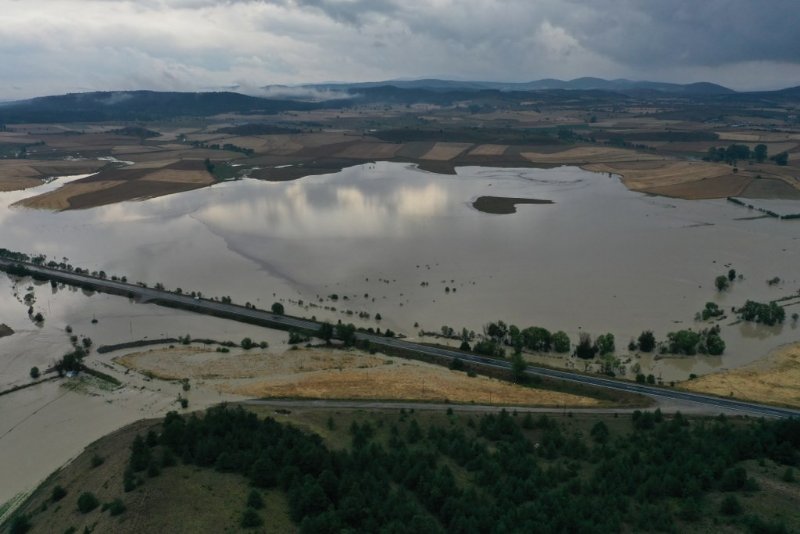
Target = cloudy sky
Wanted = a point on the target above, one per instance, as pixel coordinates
(57, 46)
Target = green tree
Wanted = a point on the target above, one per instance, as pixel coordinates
(58, 493)
(683, 342)
(34, 372)
(600, 432)
(585, 350)
(325, 332)
(247, 343)
(561, 342)
(277, 308)
(115, 507)
(730, 506)
(255, 500)
(715, 345)
(251, 519)
(605, 344)
(518, 366)
(781, 158)
(20, 524)
(760, 153)
(537, 338)
(721, 282)
(647, 341)
(87, 502)
(347, 333)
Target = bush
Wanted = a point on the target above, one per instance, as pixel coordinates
(58, 493)
(34, 372)
(456, 364)
(733, 479)
(788, 475)
(20, 524)
(153, 468)
(87, 502)
(129, 480)
(115, 507)
(254, 500)
(167, 458)
(296, 337)
(251, 519)
(730, 506)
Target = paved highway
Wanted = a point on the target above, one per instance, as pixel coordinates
(240, 313)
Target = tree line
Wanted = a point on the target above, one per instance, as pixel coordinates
(499, 473)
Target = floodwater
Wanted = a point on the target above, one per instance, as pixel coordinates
(392, 239)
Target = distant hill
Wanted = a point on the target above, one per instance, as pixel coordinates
(140, 105)
(586, 83)
(155, 105)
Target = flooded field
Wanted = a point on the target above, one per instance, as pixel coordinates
(390, 239)
(384, 239)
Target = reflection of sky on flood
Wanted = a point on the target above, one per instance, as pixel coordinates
(305, 209)
(365, 201)
(601, 258)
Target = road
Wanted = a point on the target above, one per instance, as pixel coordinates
(240, 313)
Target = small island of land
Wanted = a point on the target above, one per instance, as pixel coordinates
(504, 205)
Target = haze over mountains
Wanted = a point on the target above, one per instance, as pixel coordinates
(585, 83)
(150, 105)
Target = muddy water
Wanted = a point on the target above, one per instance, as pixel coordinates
(392, 238)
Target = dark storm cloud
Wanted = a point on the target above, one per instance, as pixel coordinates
(51, 46)
(707, 32)
(351, 11)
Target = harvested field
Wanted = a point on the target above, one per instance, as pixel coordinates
(257, 143)
(414, 150)
(716, 187)
(329, 374)
(775, 148)
(641, 176)
(120, 150)
(280, 144)
(324, 138)
(771, 188)
(774, 380)
(22, 174)
(117, 184)
(488, 150)
(60, 198)
(445, 151)
(739, 136)
(17, 138)
(16, 183)
(133, 190)
(180, 176)
(370, 151)
(590, 154)
(99, 141)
